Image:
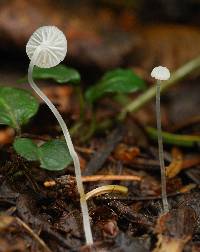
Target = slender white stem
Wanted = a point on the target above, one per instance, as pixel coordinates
(160, 149)
(83, 203)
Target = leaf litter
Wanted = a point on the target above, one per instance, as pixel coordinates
(121, 223)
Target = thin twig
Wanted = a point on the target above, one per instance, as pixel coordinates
(93, 178)
(110, 177)
(33, 234)
(84, 150)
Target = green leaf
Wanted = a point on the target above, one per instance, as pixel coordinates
(59, 73)
(115, 81)
(26, 148)
(174, 139)
(52, 155)
(17, 106)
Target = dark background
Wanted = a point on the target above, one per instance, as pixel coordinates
(104, 34)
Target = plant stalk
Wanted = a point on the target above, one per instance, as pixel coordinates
(81, 102)
(160, 149)
(91, 128)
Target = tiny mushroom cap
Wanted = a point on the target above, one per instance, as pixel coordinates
(160, 73)
(52, 43)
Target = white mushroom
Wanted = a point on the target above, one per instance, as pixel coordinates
(51, 45)
(46, 48)
(160, 74)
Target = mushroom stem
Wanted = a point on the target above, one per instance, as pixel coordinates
(160, 149)
(83, 203)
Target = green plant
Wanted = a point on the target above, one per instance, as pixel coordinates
(60, 74)
(174, 139)
(118, 81)
(160, 74)
(17, 107)
(46, 48)
(52, 155)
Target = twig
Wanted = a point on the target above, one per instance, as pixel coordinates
(84, 150)
(110, 177)
(93, 178)
(57, 237)
(34, 235)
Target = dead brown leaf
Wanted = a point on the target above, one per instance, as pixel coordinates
(176, 165)
(125, 153)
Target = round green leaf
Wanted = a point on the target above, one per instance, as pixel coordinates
(17, 106)
(59, 73)
(54, 155)
(115, 81)
(26, 148)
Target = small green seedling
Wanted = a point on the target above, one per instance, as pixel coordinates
(53, 155)
(118, 81)
(160, 74)
(17, 107)
(46, 48)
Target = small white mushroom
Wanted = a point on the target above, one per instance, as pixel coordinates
(160, 74)
(51, 45)
(46, 48)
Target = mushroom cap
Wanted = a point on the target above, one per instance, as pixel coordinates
(53, 45)
(160, 73)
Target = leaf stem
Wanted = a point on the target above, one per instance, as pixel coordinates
(91, 129)
(175, 139)
(73, 130)
(178, 75)
(81, 101)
